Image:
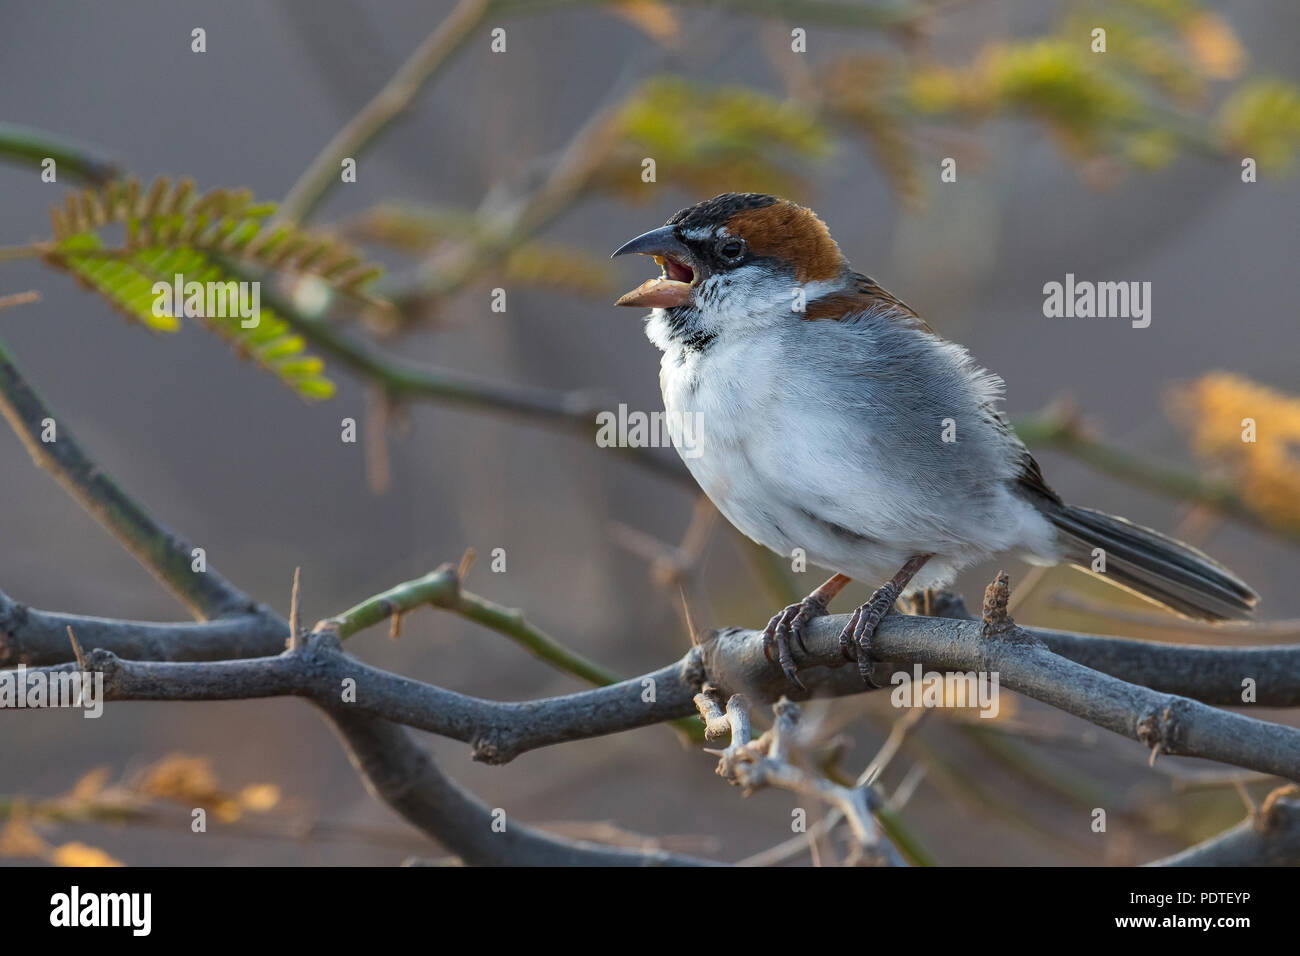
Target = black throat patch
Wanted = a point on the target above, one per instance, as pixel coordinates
(686, 328)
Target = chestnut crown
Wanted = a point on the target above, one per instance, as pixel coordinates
(731, 232)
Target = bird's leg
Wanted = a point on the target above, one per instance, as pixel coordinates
(855, 639)
(789, 624)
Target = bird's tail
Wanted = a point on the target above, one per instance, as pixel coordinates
(1153, 565)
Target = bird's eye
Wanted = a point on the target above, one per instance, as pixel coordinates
(731, 248)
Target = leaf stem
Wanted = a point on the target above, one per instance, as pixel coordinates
(31, 147)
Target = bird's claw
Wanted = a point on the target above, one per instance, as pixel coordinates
(787, 627)
(855, 639)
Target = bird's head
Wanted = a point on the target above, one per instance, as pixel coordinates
(737, 255)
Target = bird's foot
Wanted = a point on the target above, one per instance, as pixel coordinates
(855, 639)
(787, 627)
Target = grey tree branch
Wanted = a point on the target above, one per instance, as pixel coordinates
(1269, 837)
(733, 659)
(498, 731)
(394, 768)
(205, 595)
(39, 638)
(1212, 675)
(405, 777)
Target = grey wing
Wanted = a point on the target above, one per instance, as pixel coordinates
(925, 429)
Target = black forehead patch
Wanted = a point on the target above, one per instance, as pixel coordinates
(719, 209)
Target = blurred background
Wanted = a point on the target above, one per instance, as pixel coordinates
(522, 170)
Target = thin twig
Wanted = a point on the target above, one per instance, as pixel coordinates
(422, 66)
(778, 759)
(295, 625)
(18, 298)
(204, 592)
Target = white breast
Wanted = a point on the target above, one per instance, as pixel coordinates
(796, 458)
(761, 458)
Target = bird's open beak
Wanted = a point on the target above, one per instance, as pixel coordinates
(676, 285)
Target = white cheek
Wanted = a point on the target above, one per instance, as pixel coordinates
(747, 298)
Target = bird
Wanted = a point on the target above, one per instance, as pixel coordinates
(830, 417)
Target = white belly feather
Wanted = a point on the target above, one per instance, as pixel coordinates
(794, 468)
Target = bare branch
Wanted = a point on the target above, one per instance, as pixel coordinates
(397, 771)
(573, 411)
(387, 104)
(206, 594)
(406, 778)
(779, 758)
(498, 731)
(1212, 675)
(732, 660)
(39, 638)
(1027, 665)
(1269, 837)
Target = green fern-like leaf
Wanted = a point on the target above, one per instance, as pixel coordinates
(168, 230)
(1262, 118)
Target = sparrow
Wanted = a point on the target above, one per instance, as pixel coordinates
(831, 418)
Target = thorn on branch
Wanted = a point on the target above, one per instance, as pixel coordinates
(1159, 731)
(1252, 808)
(686, 614)
(77, 652)
(18, 298)
(466, 562)
(295, 626)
